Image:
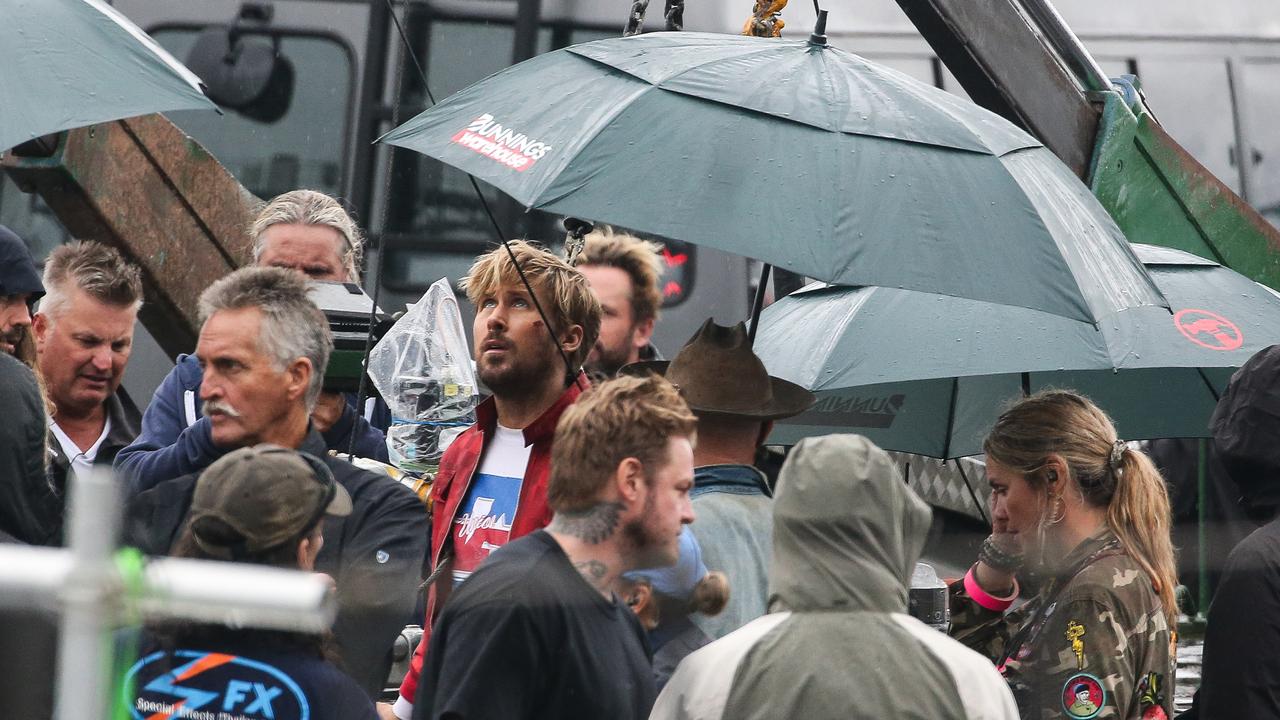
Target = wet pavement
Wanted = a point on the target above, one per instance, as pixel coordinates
(1190, 652)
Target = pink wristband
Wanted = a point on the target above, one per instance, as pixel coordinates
(985, 599)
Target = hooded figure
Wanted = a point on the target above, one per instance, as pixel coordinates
(847, 532)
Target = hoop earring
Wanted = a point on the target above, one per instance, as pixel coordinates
(1058, 511)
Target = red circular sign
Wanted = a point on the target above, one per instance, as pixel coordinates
(1208, 329)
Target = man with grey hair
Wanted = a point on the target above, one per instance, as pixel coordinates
(301, 230)
(263, 346)
(84, 335)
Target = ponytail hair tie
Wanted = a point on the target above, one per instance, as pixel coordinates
(1117, 457)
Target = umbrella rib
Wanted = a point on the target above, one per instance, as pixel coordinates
(981, 510)
(1212, 390)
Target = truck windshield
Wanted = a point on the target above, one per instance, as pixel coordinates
(305, 146)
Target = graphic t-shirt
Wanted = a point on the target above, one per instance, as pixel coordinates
(484, 519)
(242, 683)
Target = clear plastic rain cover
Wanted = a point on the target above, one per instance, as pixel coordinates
(423, 369)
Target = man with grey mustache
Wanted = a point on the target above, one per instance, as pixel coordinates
(263, 347)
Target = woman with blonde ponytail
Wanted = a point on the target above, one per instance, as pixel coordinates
(1083, 518)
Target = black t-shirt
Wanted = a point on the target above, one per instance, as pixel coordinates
(240, 680)
(525, 636)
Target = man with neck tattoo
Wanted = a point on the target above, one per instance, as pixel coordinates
(492, 483)
(536, 631)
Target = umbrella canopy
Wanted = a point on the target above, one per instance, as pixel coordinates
(798, 154)
(69, 63)
(925, 373)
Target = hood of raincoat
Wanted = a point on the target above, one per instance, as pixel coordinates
(18, 273)
(847, 531)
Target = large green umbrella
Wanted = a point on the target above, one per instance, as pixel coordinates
(926, 373)
(795, 153)
(69, 63)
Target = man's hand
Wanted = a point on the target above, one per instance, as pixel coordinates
(385, 712)
(328, 410)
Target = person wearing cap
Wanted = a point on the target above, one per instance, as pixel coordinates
(264, 505)
(263, 345)
(847, 532)
(537, 630)
(665, 598)
(492, 484)
(736, 401)
(20, 287)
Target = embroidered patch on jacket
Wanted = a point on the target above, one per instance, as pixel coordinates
(1083, 696)
(1151, 697)
(1075, 633)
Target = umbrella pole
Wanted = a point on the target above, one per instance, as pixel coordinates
(758, 304)
(1203, 595)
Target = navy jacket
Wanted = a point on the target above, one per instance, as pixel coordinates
(374, 556)
(175, 438)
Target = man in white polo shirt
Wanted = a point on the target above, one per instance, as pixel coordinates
(84, 335)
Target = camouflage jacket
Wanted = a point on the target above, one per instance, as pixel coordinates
(1093, 643)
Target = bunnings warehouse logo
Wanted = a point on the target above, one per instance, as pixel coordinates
(856, 412)
(491, 139)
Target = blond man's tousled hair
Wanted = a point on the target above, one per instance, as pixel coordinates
(1135, 498)
(562, 291)
(627, 417)
(311, 207)
(639, 259)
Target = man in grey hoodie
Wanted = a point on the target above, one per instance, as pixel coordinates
(846, 535)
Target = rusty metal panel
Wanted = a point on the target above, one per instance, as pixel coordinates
(143, 186)
(1006, 67)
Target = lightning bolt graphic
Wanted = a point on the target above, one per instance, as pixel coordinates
(192, 698)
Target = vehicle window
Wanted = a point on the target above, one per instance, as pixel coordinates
(1260, 85)
(305, 147)
(1191, 97)
(435, 225)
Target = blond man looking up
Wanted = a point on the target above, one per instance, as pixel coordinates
(492, 484)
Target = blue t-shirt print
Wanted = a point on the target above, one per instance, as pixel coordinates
(484, 521)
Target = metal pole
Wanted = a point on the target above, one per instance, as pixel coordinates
(237, 595)
(1045, 18)
(1202, 552)
(84, 650)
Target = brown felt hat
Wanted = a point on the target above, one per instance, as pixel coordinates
(717, 373)
(267, 495)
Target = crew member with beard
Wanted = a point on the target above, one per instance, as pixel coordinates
(623, 271)
(20, 287)
(492, 482)
(537, 631)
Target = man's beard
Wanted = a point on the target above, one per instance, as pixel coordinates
(609, 360)
(647, 550)
(13, 337)
(523, 376)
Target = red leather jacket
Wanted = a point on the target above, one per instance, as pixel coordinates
(457, 467)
